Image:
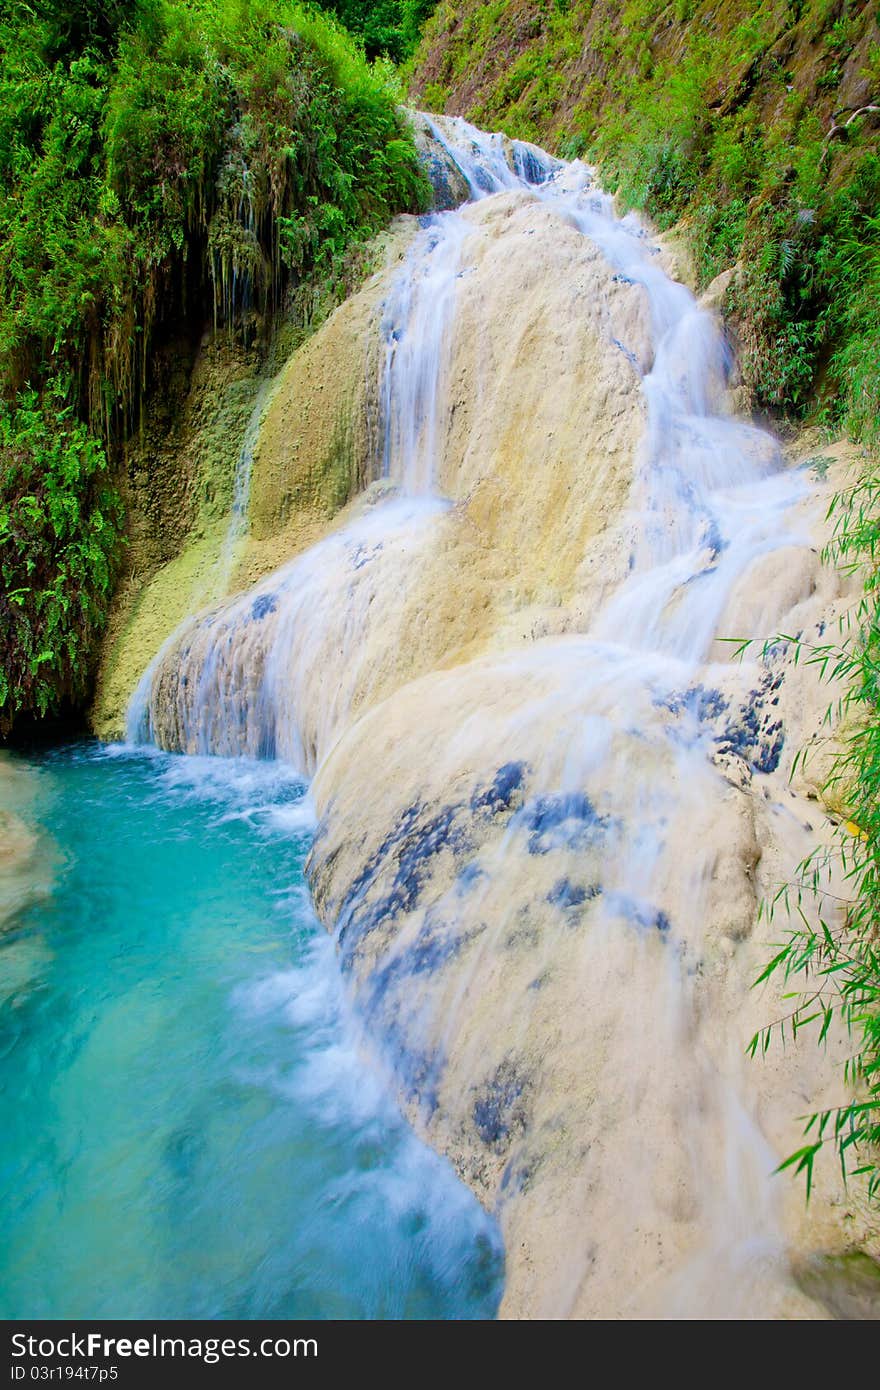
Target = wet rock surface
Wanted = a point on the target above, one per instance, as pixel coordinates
(550, 798)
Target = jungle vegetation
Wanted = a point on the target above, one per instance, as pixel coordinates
(162, 162)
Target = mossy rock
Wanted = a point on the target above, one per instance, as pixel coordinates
(847, 1285)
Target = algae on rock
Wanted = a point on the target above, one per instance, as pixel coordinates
(312, 453)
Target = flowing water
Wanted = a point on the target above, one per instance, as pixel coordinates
(241, 489)
(192, 1127)
(601, 743)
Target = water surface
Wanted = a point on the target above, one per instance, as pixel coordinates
(191, 1124)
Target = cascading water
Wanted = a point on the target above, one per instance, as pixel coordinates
(708, 498)
(711, 496)
(490, 163)
(191, 1128)
(221, 574)
(248, 696)
(537, 853)
(241, 488)
(336, 574)
(416, 326)
(238, 679)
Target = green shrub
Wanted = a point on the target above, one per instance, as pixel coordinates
(59, 542)
(831, 970)
(389, 28)
(162, 162)
(114, 169)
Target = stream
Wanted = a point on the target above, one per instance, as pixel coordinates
(193, 1126)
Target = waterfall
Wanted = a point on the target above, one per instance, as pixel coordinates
(138, 726)
(711, 496)
(416, 326)
(491, 163)
(241, 488)
(708, 496)
(540, 820)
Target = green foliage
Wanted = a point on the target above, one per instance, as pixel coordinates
(714, 117)
(131, 177)
(855, 276)
(831, 959)
(163, 163)
(387, 28)
(59, 542)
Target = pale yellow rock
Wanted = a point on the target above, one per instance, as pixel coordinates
(539, 435)
(314, 452)
(593, 1090)
(548, 905)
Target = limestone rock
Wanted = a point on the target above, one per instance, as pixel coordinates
(449, 184)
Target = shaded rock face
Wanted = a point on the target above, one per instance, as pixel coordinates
(453, 155)
(449, 185)
(550, 802)
(315, 450)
